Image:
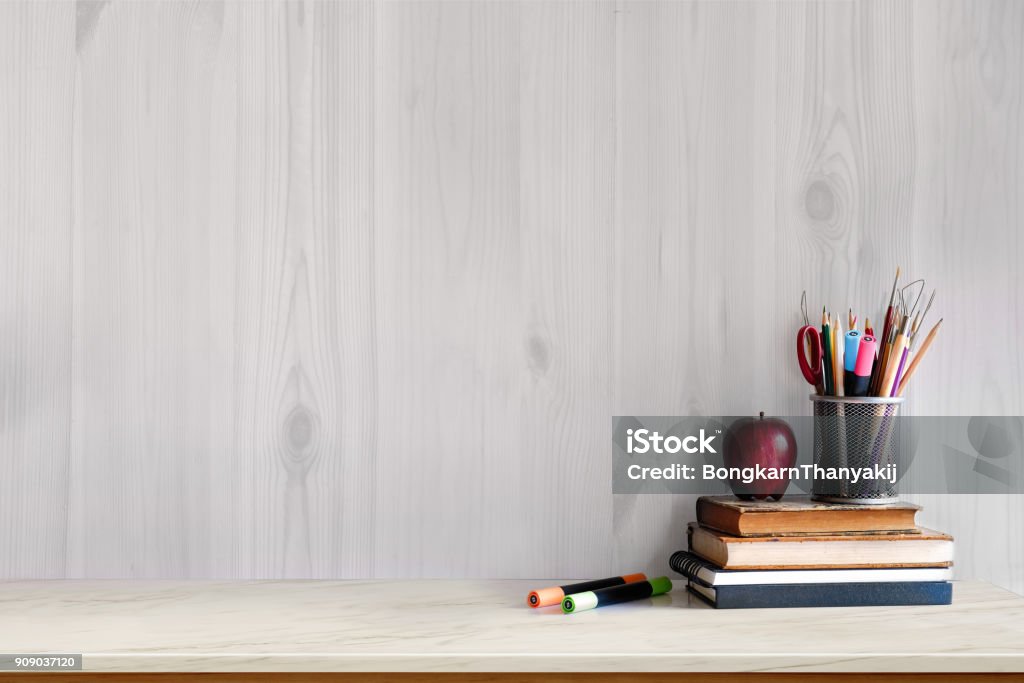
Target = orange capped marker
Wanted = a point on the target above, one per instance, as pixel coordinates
(553, 595)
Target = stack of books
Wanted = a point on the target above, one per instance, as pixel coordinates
(801, 553)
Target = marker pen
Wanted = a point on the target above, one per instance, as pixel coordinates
(637, 590)
(553, 595)
(862, 369)
(851, 343)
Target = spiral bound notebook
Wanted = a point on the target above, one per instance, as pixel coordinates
(699, 570)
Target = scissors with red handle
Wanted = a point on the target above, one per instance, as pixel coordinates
(808, 340)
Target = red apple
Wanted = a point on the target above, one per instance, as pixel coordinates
(758, 441)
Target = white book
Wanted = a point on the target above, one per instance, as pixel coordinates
(697, 569)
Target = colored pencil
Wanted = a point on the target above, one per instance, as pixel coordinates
(917, 358)
(899, 370)
(837, 356)
(890, 314)
(895, 355)
(892, 355)
(826, 350)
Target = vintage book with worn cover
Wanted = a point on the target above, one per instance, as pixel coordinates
(801, 515)
(926, 548)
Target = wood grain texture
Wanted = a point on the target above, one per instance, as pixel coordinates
(695, 284)
(305, 363)
(36, 214)
(139, 495)
(968, 213)
(567, 186)
(448, 288)
(349, 289)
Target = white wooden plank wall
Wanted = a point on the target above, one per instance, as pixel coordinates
(353, 289)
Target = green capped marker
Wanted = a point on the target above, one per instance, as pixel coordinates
(638, 590)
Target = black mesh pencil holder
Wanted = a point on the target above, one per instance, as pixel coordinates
(856, 447)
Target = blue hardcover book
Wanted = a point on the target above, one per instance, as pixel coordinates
(826, 594)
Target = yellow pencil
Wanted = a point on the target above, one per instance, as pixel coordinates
(885, 357)
(895, 354)
(917, 358)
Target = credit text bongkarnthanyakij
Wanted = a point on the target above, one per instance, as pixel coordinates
(749, 475)
(643, 441)
(936, 455)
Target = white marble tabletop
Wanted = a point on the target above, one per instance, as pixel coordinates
(486, 626)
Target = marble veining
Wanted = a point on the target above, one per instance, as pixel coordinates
(485, 625)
